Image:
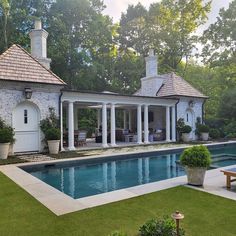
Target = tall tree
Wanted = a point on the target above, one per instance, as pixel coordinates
(220, 43)
(4, 13)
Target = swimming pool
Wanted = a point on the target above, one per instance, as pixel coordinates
(86, 178)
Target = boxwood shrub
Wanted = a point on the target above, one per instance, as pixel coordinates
(196, 156)
(186, 129)
(6, 135)
(203, 128)
(53, 134)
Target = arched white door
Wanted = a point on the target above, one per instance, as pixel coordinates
(189, 120)
(26, 125)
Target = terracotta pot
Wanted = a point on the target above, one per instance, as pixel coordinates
(4, 149)
(195, 175)
(53, 146)
(186, 137)
(204, 136)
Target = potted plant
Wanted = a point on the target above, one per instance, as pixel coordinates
(50, 128)
(6, 138)
(204, 132)
(53, 136)
(186, 130)
(196, 160)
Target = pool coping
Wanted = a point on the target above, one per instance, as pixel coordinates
(60, 203)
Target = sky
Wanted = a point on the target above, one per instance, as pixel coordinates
(116, 7)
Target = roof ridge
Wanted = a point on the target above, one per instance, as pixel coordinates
(17, 45)
(2, 55)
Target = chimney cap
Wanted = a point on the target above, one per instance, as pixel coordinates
(151, 52)
(38, 24)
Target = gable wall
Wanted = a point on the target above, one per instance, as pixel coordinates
(44, 96)
(196, 110)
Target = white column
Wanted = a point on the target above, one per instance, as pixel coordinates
(173, 126)
(125, 119)
(61, 124)
(146, 131)
(71, 126)
(168, 124)
(98, 118)
(113, 125)
(76, 118)
(130, 120)
(139, 124)
(104, 125)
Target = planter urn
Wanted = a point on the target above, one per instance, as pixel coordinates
(53, 146)
(204, 136)
(195, 175)
(4, 150)
(186, 137)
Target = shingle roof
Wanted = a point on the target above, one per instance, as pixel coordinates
(174, 85)
(16, 64)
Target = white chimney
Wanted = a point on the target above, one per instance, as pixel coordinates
(38, 37)
(151, 64)
(151, 84)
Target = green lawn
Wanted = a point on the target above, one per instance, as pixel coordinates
(205, 214)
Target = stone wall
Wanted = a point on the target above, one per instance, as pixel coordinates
(196, 110)
(43, 96)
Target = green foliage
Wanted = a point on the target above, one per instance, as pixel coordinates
(186, 129)
(227, 108)
(196, 156)
(6, 132)
(203, 128)
(180, 124)
(214, 133)
(160, 227)
(51, 121)
(53, 134)
(6, 135)
(230, 129)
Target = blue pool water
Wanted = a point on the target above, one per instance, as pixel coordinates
(80, 179)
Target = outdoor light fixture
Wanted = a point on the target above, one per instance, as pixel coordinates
(28, 93)
(191, 103)
(177, 216)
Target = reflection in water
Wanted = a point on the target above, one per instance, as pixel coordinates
(140, 170)
(146, 170)
(113, 175)
(168, 166)
(62, 179)
(72, 181)
(105, 180)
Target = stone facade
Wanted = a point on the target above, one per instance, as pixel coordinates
(43, 96)
(190, 106)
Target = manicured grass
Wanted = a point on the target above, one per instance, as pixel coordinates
(205, 214)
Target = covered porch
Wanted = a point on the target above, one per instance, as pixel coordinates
(144, 119)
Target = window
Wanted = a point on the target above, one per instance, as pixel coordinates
(25, 117)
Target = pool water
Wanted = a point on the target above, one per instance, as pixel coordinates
(81, 180)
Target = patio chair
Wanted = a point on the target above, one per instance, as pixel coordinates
(82, 135)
